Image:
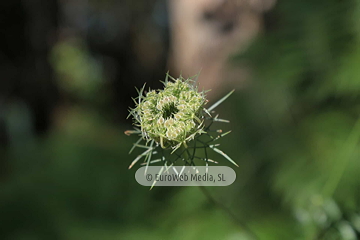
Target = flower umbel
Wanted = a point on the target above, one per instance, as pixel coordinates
(173, 123)
(172, 116)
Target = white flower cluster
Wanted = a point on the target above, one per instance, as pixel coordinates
(171, 116)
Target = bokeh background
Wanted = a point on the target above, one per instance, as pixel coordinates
(68, 69)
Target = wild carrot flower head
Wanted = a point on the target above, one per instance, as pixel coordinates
(172, 116)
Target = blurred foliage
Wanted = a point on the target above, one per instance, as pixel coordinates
(305, 99)
(78, 72)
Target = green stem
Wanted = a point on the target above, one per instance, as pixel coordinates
(185, 153)
(349, 147)
(237, 220)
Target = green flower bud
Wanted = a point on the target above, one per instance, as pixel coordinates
(174, 118)
(172, 115)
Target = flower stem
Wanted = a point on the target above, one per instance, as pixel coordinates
(236, 219)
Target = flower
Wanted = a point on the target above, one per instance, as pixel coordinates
(175, 117)
(171, 116)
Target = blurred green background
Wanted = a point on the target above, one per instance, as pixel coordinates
(68, 71)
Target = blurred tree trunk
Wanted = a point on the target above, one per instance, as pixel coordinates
(206, 32)
(27, 30)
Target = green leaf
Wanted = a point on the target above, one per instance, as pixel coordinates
(207, 112)
(224, 155)
(220, 101)
(220, 120)
(153, 161)
(139, 157)
(160, 172)
(135, 145)
(149, 156)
